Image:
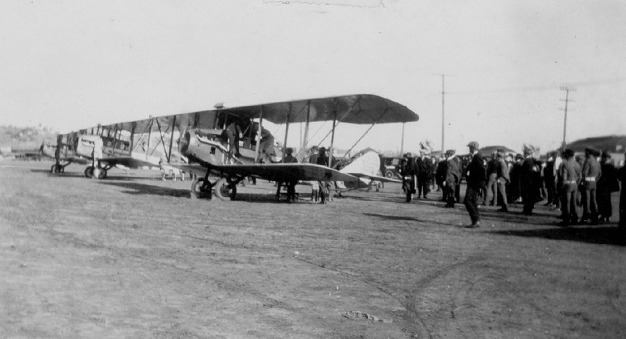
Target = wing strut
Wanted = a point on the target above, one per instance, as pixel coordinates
(258, 142)
(306, 128)
(169, 155)
(132, 139)
(149, 137)
(286, 131)
(368, 130)
(115, 140)
(358, 102)
(332, 138)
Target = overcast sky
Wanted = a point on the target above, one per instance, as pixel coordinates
(74, 64)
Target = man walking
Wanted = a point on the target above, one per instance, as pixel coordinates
(475, 182)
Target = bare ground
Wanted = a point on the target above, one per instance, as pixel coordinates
(132, 256)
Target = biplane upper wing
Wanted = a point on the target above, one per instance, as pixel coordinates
(352, 109)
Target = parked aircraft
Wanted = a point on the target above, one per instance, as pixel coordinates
(203, 148)
(366, 168)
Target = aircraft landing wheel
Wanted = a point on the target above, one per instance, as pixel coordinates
(199, 189)
(224, 190)
(102, 174)
(89, 172)
(389, 174)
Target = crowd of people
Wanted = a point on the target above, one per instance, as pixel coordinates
(566, 181)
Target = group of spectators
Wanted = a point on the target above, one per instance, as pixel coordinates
(567, 181)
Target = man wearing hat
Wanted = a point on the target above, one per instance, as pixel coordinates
(476, 180)
(568, 177)
(408, 169)
(530, 180)
(424, 175)
(590, 175)
(606, 185)
(453, 177)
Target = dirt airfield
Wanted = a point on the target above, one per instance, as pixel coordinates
(134, 257)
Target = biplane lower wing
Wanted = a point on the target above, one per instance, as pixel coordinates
(273, 172)
(129, 162)
(231, 175)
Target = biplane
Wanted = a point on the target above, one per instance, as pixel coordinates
(197, 143)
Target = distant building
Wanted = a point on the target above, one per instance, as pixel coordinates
(613, 144)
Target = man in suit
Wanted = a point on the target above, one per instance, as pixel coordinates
(453, 177)
(476, 172)
(590, 175)
(530, 180)
(424, 175)
(503, 179)
(568, 177)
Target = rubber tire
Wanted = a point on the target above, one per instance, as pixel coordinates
(389, 174)
(223, 191)
(196, 190)
(88, 172)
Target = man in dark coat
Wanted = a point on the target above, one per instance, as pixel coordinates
(606, 185)
(530, 181)
(453, 177)
(424, 176)
(476, 180)
(550, 180)
(408, 170)
(621, 176)
(440, 177)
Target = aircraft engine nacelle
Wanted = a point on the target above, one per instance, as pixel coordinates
(89, 145)
(203, 146)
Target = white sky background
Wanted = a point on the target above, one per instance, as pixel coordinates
(74, 64)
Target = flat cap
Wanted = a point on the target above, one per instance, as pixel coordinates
(473, 144)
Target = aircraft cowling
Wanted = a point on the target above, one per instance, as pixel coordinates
(202, 147)
(89, 145)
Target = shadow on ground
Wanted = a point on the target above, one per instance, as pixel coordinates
(73, 174)
(589, 234)
(145, 189)
(136, 188)
(407, 218)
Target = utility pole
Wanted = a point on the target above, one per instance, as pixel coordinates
(402, 141)
(443, 112)
(443, 125)
(567, 90)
